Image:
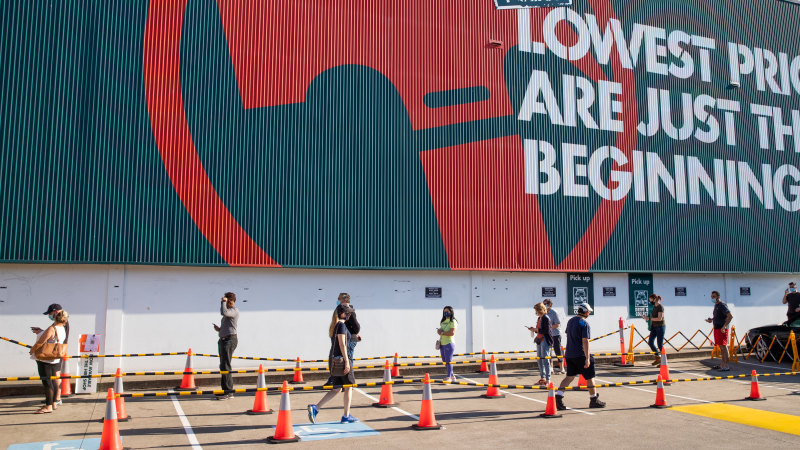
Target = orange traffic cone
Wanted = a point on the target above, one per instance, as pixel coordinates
(284, 432)
(483, 368)
(260, 405)
(582, 382)
(298, 373)
(664, 367)
(661, 400)
(110, 439)
(187, 383)
(396, 368)
(550, 411)
(493, 391)
(427, 419)
(66, 386)
(755, 392)
(122, 415)
(387, 397)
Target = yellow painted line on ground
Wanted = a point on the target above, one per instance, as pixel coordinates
(785, 423)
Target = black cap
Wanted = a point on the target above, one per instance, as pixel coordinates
(53, 307)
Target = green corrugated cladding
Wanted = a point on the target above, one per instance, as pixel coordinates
(354, 134)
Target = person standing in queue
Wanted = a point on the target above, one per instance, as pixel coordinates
(544, 341)
(447, 343)
(555, 324)
(791, 298)
(579, 360)
(352, 326)
(228, 340)
(340, 336)
(48, 368)
(51, 312)
(657, 327)
(721, 319)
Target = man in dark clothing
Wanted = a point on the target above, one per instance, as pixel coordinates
(228, 340)
(721, 319)
(352, 325)
(579, 360)
(792, 298)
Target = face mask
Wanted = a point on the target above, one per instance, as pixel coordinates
(447, 314)
(51, 317)
(713, 300)
(338, 303)
(792, 290)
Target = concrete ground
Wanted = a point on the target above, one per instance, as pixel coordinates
(468, 421)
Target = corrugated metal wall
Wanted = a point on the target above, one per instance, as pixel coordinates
(364, 134)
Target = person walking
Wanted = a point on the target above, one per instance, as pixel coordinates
(447, 343)
(791, 298)
(228, 340)
(51, 312)
(721, 319)
(54, 334)
(555, 324)
(544, 342)
(657, 327)
(340, 336)
(579, 360)
(352, 325)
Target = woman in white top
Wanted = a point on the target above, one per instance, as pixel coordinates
(48, 368)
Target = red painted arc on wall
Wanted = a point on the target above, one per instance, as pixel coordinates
(162, 84)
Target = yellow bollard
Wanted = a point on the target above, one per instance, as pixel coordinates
(629, 357)
(732, 355)
(796, 362)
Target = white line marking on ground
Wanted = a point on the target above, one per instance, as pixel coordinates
(393, 407)
(186, 426)
(760, 384)
(527, 398)
(653, 392)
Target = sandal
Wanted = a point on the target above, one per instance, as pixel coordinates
(541, 382)
(43, 411)
(724, 369)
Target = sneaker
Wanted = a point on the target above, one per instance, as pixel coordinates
(312, 413)
(225, 397)
(58, 403)
(595, 402)
(349, 419)
(560, 403)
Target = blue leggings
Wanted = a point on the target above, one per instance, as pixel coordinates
(447, 351)
(656, 333)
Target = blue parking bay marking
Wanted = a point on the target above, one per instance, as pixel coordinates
(332, 430)
(78, 444)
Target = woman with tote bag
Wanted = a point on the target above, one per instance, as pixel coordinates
(48, 351)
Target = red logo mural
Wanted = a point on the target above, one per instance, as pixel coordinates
(279, 47)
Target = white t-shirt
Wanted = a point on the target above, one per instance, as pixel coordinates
(61, 333)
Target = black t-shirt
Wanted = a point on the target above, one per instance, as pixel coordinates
(793, 301)
(657, 309)
(720, 315)
(340, 328)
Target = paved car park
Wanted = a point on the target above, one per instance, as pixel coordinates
(703, 414)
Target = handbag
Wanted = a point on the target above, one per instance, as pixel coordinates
(49, 351)
(538, 339)
(438, 344)
(337, 366)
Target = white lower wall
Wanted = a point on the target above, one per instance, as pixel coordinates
(285, 313)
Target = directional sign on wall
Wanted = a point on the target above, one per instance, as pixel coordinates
(640, 287)
(580, 289)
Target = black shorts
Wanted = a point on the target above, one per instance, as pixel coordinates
(575, 367)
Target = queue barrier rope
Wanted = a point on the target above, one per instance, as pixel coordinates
(458, 383)
(257, 358)
(292, 369)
